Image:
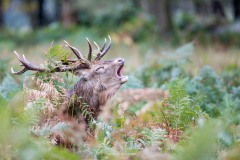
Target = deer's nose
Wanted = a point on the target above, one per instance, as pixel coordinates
(120, 60)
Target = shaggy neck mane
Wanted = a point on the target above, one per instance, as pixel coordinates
(87, 92)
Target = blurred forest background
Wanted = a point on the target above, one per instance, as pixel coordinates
(167, 18)
(183, 53)
(141, 25)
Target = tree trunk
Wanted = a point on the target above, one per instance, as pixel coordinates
(236, 8)
(218, 9)
(160, 9)
(203, 8)
(40, 13)
(67, 14)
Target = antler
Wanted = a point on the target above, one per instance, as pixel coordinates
(80, 63)
(90, 50)
(27, 65)
(103, 51)
(74, 50)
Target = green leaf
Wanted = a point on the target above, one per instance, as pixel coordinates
(57, 52)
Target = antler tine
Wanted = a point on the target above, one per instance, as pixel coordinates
(74, 50)
(90, 50)
(27, 65)
(104, 45)
(99, 56)
(108, 47)
(98, 48)
(19, 72)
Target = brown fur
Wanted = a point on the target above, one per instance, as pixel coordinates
(94, 88)
(99, 80)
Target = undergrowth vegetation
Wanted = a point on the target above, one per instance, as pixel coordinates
(198, 118)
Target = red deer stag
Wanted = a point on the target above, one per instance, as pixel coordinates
(99, 80)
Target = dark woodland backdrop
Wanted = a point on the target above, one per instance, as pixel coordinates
(166, 17)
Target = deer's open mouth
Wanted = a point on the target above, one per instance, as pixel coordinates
(119, 71)
(120, 75)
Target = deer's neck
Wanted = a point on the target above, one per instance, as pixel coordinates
(92, 93)
(84, 92)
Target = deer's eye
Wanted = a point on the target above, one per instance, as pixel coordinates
(100, 70)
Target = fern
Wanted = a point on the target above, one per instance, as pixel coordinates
(8, 87)
(3, 67)
(190, 100)
(47, 129)
(169, 67)
(104, 126)
(57, 52)
(102, 151)
(133, 145)
(179, 110)
(152, 136)
(86, 112)
(16, 143)
(202, 145)
(209, 90)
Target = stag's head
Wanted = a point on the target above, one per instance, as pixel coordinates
(99, 79)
